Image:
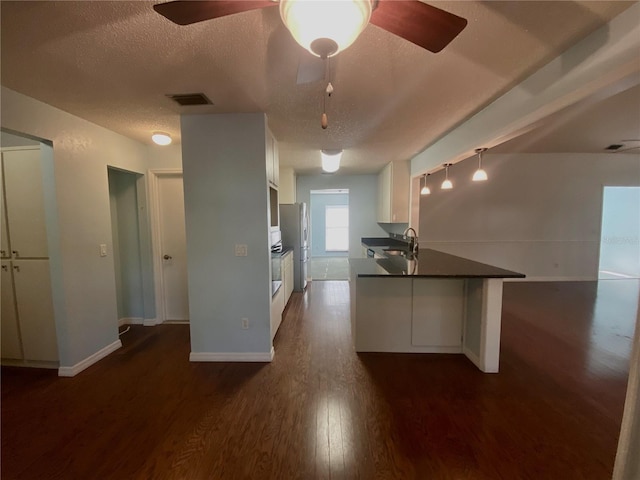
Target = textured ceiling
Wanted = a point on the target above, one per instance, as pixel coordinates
(114, 62)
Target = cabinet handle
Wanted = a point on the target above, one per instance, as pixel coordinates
(5, 268)
(3, 252)
(16, 253)
(16, 268)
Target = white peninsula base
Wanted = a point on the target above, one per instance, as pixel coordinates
(428, 315)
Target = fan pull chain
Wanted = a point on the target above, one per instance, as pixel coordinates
(324, 120)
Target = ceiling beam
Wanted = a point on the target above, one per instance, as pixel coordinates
(602, 64)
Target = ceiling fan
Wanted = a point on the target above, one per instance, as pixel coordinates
(326, 27)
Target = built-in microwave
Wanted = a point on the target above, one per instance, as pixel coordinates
(276, 241)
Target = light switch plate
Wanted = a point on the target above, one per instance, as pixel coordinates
(103, 249)
(241, 250)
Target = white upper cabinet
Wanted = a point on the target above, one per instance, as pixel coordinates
(24, 203)
(393, 193)
(273, 159)
(287, 185)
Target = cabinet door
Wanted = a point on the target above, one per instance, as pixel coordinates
(289, 276)
(384, 195)
(4, 243)
(25, 203)
(10, 334)
(35, 309)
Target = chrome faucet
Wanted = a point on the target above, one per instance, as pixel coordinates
(413, 240)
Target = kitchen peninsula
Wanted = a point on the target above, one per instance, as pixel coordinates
(431, 302)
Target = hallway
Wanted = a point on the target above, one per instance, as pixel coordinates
(321, 411)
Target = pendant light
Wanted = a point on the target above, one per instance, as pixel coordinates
(446, 185)
(425, 190)
(480, 175)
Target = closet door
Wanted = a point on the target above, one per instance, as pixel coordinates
(9, 319)
(5, 249)
(25, 203)
(35, 309)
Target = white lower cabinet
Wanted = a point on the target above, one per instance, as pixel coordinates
(403, 314)
(277, 307)
(437, 313)
(11, 347)
(287, 276)
(28, 327)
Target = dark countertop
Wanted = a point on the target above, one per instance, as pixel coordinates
(428, 263)
(382, 242)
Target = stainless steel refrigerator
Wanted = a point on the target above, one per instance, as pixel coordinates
(294, 225)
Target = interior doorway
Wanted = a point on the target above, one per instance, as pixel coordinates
(329, 215)
(127, 258)
(170, 245)
(620, 234)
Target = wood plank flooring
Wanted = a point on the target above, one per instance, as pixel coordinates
(320, 411)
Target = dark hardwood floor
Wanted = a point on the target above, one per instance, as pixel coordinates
(320, 411)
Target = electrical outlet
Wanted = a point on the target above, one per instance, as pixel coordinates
(241, 250)
(245, 323)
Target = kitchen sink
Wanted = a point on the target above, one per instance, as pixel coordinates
(393, 251)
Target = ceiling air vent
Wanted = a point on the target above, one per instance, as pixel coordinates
(614, 147)
(188, 99)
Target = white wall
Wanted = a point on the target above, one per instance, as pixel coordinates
(538, 214)
(83, 282)
(363, 194)
(226, 203)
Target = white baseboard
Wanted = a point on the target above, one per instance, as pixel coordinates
(588, 278)
(231, 356)
(90, 360)
(150, 322)
(130, 321)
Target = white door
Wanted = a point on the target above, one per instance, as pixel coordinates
(25, 203)
(173, 248)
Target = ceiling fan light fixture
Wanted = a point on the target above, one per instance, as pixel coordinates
(161, 138)
(325, 28)
(330, 160)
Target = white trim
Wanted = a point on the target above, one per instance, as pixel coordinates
(90, 360)
(153, 177)
(24, 147)
(151, 322)
(471, 356)
(583, 278)
(231, 356)
(130, 321)
(490, 325)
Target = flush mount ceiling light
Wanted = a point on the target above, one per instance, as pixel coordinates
(331, 160)
(425, 190)
(161, 138)
(480, 175)
(446, 185)
(325, 28)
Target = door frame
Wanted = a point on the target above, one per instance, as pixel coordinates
(153, 178)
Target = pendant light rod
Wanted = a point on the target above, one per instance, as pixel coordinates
(480, 175)
(425, 190)
(446, 185)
